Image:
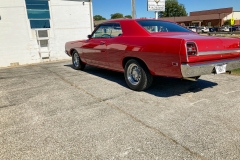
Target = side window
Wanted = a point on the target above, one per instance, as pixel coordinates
(156, 29)
(103, 31)
(117, 30)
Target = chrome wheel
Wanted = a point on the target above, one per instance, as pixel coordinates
(137, 75)
(134, 74)
(76, 60)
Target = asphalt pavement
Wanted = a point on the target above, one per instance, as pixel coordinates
(51, 111)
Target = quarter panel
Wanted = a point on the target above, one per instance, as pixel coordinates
(161, 55)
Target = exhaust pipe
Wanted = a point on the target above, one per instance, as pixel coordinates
(191, 78)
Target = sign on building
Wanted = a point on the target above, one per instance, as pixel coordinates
(156, 5)
(232, 21)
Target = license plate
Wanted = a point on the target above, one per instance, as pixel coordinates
(220, 68)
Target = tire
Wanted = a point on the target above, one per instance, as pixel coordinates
(137, 75)
(76, 61)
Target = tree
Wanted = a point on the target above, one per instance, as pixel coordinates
(128, 16)
(98, 18)
(116, 15)
(227, 22)
(173, 9)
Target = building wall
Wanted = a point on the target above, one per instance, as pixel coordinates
(70, 20)
(196, 18)
(237, 22)
(14, 33)
(212, 11)
(235, 15)
(215, 19)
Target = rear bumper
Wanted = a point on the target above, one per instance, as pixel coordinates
(198, 69)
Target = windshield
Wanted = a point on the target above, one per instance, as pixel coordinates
(161, 26)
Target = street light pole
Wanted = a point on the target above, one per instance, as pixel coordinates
(133, 9)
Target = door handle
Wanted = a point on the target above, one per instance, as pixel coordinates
(102, 43)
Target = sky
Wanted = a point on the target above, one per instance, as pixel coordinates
(107, 7)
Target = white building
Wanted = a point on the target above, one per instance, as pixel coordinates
(25, 38)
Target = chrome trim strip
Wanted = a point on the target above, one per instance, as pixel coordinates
(218, 52)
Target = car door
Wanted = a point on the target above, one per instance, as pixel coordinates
(94, 49)
(115, 48)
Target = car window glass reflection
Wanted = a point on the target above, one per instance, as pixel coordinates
(104, 31)
(161, 26)
(116, 31)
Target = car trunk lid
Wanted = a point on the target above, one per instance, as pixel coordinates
(208, 47)
(217, 48)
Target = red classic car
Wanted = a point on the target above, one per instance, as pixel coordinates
(143, 48)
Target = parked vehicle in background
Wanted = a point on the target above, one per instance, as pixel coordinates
(228, 28)
(212, 29)
(142, 49)
(192, 28)
(224, 29)
(204, 29)
(237, 27)
(217, 29)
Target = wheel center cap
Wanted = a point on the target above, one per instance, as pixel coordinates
(135, 74)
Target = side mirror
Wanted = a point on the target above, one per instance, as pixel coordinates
(89, 36)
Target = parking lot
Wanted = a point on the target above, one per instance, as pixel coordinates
(51, 111)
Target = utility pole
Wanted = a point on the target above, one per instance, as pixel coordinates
(156, 14)
(133, 9)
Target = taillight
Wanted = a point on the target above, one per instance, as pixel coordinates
(191, 49)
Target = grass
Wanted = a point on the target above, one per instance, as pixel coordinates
(236, 72)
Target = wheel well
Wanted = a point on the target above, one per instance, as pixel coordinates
(71, 51)
(138, 59)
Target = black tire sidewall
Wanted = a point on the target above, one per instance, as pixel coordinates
(143, 81)
(81, 65)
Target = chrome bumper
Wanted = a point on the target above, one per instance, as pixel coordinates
(192, 70)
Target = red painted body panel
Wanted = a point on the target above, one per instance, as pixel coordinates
(162, 52)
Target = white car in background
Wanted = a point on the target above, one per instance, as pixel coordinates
(228, 28)
(224, 29)
(192, 28)
(204, 29)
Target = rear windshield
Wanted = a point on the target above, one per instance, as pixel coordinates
(161, 26)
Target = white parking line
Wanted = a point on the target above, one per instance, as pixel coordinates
(232, 92)
(200, 101)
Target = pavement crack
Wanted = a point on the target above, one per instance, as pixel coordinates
(155, 130)
(127, 114)
(5, 106)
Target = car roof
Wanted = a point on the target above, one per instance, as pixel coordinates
(131, 27)
(137, 19)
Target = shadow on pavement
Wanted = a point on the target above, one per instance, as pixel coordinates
(161, 87)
